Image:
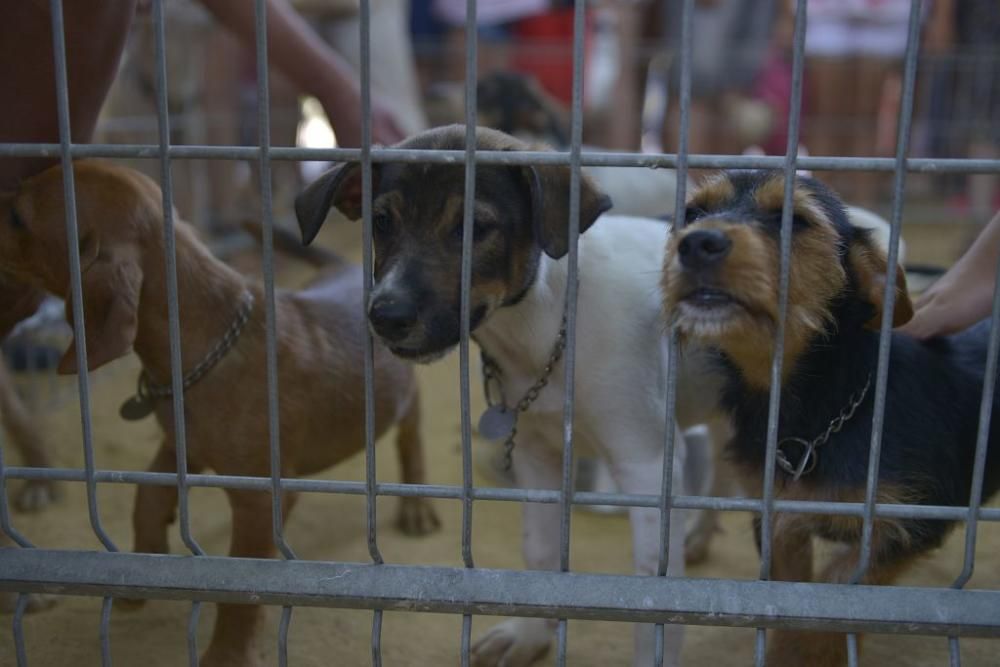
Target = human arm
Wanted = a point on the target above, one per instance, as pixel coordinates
(295, 49)
(963, 295)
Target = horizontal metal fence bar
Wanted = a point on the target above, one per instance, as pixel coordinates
(587, 158)
(449, 492)
(646, 599)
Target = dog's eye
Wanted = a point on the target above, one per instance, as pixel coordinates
(692, 213)
(798, 221)
(479, 230)
(381, 223)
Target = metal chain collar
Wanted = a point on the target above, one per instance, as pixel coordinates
(147, 391)
(491, 371)
(810, 456)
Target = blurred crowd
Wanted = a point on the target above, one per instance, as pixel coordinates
(741, 67)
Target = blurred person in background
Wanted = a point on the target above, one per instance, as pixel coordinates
(853, 72)
(964, 99)
(27, 86)
(735, 40)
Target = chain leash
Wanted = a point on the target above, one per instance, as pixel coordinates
(810, 455)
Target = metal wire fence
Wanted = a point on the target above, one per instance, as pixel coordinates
(564, 595)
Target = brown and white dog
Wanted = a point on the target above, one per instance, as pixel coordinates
(519, 277)
(319, 348)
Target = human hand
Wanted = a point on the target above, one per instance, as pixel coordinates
(952, 304)
(963, 295)
(344, 113)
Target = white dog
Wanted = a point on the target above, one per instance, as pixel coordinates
(517, 307)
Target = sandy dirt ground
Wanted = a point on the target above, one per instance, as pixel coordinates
(327, 527)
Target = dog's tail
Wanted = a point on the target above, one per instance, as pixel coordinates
(289, 243)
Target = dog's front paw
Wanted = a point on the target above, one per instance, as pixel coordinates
(515, 643)
(36, 602)
(36, 495)
(417, 517)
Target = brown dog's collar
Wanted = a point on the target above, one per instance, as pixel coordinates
(147, 393)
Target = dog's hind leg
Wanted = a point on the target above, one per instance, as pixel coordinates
(518, 642)
(416, 515)
(24, 435)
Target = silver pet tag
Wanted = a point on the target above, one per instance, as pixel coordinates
(496, 423)
(135, 408)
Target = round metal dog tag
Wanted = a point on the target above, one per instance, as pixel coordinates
(135, 408)
(496, 423)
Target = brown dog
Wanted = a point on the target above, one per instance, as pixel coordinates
(319, 348)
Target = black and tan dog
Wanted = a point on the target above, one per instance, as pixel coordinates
(721, 280)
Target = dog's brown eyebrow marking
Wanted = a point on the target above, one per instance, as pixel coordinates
(770, 196)
(713, 194)
(452, 208)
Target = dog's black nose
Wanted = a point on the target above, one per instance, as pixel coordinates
(392, 318)
(704, 248)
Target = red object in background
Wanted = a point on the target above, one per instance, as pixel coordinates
(544, 49)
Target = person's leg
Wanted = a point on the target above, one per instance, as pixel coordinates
(95, 38)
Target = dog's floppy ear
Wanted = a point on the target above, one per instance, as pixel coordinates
(549, 187)
(339, 187)
(111, 288)
(870, 268)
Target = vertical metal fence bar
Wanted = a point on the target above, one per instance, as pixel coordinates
(572, 284)
(468, 227)
(369, 360)
(286, 620)
(377, 638)
(954, 652)
(667, 481)
(267, 247)
(21, 655)
(465, 649)
(982, 439)
(366, 222)
(192, 633)
(76, 287)
(889, 294)
(76, 290)
(852, 650)
(170, 255)
(105, 632)
(791, 156)
(173, 313)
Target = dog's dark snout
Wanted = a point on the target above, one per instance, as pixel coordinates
(703, 248)
(392, 317)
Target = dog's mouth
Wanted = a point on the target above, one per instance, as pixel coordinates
(703, 310)
(709, 298)
(438, 344)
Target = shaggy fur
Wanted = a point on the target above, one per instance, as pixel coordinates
(721, 290)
